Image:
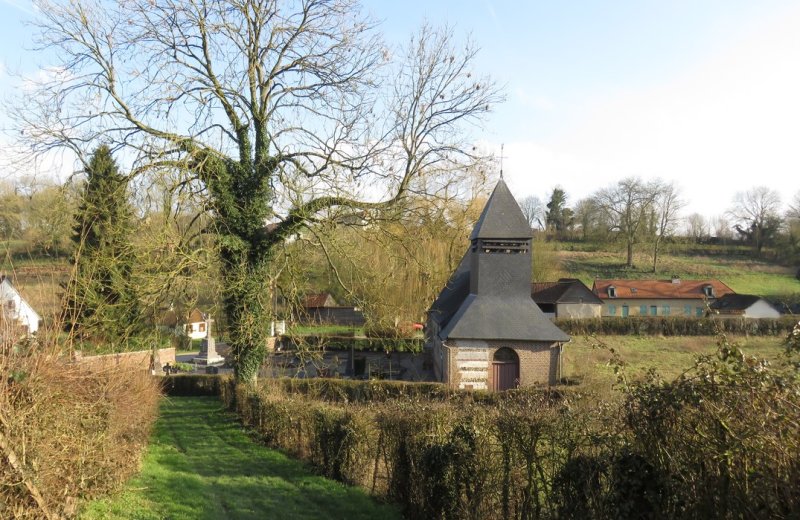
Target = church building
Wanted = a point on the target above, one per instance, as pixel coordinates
(484, 329)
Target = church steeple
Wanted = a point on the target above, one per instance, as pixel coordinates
(501, 217)
(501, 248)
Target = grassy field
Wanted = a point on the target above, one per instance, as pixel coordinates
(739, 271)
(202, 465)
(586, 360)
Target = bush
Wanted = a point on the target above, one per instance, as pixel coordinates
(67, 432)
(676, 326)
(721, 441)
(189, 385)
(392, 344)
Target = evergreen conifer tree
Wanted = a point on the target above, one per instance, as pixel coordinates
(101, 302)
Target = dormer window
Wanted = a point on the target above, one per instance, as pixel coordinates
(708, 291)
(612, 292)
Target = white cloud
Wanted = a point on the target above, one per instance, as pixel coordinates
(726, 125)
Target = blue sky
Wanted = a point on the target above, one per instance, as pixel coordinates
(705, 93)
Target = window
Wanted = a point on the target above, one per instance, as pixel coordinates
(643, 310)
(201, 327)
(653, 310)
(612, 310)
(699, 312)
(625, 311)
(708, 291)
(687, 310)
(612, 292)
(665, 310)
(504, 246)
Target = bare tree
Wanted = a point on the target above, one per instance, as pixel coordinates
(283, 111)
(667, 206)
(756, 215)
(533, 209)
(721, 228)
(588, 216)
(627, 206)
(696, 227)
(794, 207)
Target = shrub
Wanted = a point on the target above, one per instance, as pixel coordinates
(67, 432)
(192, 384)
(721, 441)
(677, 326)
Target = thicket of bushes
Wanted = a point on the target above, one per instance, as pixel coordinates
(67, 433)
(722, 441)
(333, 342)
(677, 326)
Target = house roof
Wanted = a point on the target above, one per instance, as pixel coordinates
(735, 303)
(660, 289)
(197, 316)
(501, 217)
(313, 301)
(566, 290)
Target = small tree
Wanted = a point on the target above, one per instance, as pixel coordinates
(756, 215)
(558, 216)
(666, 207)
(100, 299)
(533, 209)
(627, 207)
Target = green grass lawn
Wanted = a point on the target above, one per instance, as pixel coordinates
(201, 465)
(743, 274)
(588, 365)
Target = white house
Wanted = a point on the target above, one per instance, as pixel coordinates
(196, 324)
(13, 307)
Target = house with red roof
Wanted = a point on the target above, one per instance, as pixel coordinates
(673, 297)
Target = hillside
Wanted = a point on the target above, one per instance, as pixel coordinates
(731, 264)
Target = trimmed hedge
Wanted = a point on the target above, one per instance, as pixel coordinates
(677, 326)
(357, 344)
(190, 385)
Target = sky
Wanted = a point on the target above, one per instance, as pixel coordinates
(705, 93)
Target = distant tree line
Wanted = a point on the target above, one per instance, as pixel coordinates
(638, 213)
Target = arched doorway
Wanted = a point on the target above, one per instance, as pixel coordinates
(505, 369)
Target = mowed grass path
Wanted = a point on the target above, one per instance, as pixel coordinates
(201, 465)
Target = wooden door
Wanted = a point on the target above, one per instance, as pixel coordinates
(505, 370)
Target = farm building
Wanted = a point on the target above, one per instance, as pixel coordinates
(14, 309)
(484, 329)
(743, 306)
(322, 308)
(567, 298)
(674, 297)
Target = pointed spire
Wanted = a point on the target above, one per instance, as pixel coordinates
(501, 217)
(502, 146)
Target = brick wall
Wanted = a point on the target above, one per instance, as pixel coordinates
(538, 362)
(132, 360)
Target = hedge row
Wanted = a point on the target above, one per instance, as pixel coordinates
(377, 391)
(68, 432)
(677, 326)
(189, 385)
(723, 441)
(357, 344)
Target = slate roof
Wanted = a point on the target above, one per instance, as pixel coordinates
(659, 289)
(735, 303)
(566, 290)
(501, 217)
